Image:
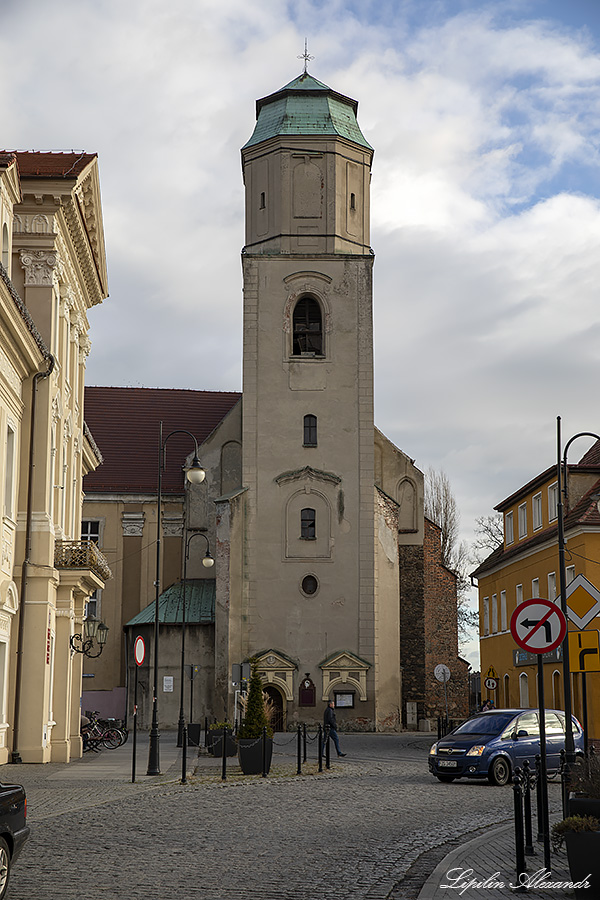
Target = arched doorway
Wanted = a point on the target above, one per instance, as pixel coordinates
(278, 720)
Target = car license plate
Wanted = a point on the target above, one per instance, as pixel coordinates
(447, 763)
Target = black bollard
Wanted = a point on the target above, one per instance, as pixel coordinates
(519, 843)
(205, 732)
(304, 741)
(264, 751)
(327, 749)
(184, 755)
(320, 748)
(299, 748)
(564, 785)
(529, 851)
(224, 757)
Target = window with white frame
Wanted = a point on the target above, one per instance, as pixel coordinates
(494, 613)
(552, 586)
(509, 528)
(523, 690)
(536, 506)
(486, 615)
(9, 474)
(535, 587)
(570, 573)
(503, 612)
(90, 530)
(553, 502)
(522, 513)
(93, 604)
(519, 593)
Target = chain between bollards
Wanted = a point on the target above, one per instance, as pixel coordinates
(184, 755)
(519, 837)
(320, 748)
(299, 753)
(527, 780)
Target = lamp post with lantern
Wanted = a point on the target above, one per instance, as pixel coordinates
(195, 474)
(208, 562)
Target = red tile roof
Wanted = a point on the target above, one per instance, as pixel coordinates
(592, 457)
(125, 424)
(42, 164)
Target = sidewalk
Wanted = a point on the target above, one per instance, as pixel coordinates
(484, 869)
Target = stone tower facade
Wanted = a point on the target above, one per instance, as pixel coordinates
(308, 585)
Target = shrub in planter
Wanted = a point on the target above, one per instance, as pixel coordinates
(581, 835)
(250, 732)
(584, 784)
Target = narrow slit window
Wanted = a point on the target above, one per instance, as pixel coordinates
(352, 201)
(308, 328)
(308, 524)
(310, 431)
(262, 200)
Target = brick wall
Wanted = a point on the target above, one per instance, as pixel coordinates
(412, 628)
(441, 633)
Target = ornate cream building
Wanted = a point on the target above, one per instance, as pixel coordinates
(325, 567)
(53, 270)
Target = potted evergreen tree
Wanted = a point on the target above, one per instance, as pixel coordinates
(255, 729)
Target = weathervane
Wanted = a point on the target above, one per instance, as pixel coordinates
(306, 57)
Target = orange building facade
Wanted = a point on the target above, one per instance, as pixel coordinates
(525, 566)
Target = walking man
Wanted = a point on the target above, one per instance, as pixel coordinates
(330, 722)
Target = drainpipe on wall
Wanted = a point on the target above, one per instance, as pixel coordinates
(15, 755)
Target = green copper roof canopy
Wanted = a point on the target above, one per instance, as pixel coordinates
(306, 106)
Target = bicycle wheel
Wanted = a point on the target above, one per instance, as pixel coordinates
(112, 739)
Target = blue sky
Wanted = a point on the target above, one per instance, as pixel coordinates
(485, 198)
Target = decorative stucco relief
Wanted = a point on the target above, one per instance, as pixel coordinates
(38, 266)
(9, 373)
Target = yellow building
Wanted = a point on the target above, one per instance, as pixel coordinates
(525, 566)
(53, 270)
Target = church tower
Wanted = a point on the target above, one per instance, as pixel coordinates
(307, 600)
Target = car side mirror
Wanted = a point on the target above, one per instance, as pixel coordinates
(522, 733)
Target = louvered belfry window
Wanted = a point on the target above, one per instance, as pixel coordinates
(308, 524)
(308, 328)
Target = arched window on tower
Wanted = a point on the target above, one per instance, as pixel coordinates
(308, 524)
(307, 328)
(310, 431)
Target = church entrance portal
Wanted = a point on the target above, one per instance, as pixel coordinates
(278, 722)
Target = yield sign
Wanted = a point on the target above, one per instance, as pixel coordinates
(538, 625)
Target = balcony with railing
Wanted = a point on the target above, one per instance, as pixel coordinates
(81, 555)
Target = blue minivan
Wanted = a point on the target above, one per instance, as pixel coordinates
(491, 744)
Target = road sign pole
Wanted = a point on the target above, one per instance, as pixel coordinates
(585, 713)
(562, 572)
(545, 829)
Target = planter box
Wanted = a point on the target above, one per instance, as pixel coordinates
(216, 747)
(583, 852)
(250, 754)
(580, 805)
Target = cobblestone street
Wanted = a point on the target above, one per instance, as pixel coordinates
(352, 833)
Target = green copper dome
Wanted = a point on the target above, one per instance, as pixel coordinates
(306, 106)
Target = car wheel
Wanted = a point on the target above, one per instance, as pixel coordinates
(4, 867)
(499, 772)
(447, 778)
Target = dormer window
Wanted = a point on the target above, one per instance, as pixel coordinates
(307, 328)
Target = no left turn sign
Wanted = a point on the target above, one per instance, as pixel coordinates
(538, 625)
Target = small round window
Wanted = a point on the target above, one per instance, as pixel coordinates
(310, 585)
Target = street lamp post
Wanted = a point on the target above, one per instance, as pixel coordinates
(207, 562)
(561, 475)
(195, 475)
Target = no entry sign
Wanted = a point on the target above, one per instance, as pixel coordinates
(538, 625)
(139, 650)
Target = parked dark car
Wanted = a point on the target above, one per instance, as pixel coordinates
(14, 830)
(490, 744)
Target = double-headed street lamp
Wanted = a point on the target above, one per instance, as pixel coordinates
(93, 630)
(561, 474)
(208, 562)
(195, 475)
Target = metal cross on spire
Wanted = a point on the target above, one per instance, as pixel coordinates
(306, 57)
